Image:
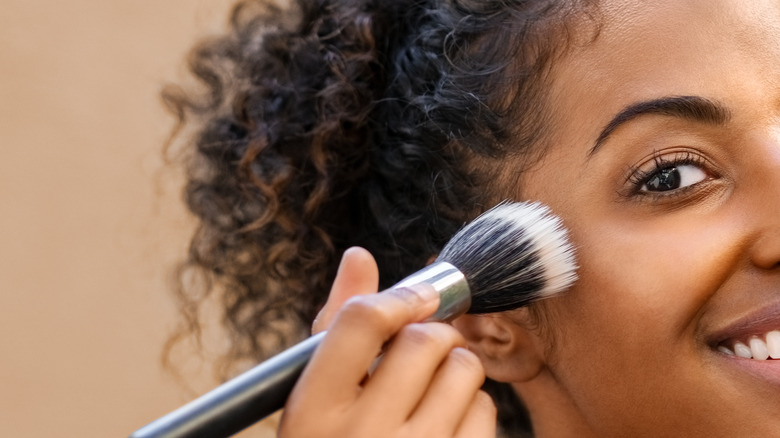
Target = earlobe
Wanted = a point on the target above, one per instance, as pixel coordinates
(510, 350)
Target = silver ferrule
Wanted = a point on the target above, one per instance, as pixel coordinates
(451, 284)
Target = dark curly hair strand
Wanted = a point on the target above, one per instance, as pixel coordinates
(328, 124)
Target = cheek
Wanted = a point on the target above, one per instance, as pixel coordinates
(654, 274)
(658, 271)
(626, 333)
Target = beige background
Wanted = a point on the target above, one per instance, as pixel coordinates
(91, 219)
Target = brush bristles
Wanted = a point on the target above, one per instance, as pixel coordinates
(512, 255)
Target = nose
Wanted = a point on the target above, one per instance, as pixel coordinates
(765, 182)
(766, 250)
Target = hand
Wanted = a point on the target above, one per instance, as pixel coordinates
(426, 384)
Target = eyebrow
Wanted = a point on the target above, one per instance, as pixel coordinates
(696, 108)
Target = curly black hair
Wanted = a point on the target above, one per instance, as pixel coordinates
(332, 123)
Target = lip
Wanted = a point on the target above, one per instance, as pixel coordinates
(765, 371)
(755, 323)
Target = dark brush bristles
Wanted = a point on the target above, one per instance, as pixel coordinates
(512, 255)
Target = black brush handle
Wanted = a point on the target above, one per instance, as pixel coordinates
(238, 403)
(263, 390)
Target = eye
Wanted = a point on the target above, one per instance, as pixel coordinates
(673, 177)
(667, 174)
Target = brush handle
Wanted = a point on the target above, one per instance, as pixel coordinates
(238, 403)
(261, 391)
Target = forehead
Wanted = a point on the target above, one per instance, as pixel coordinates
(638, 50)
(657, 30)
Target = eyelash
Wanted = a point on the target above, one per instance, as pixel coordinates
(638, 177)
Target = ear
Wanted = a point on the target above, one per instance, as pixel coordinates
(508, 345)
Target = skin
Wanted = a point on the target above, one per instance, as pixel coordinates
(665, 276)
(663, 273)
(425, 385)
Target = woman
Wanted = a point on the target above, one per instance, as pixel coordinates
(651, 128)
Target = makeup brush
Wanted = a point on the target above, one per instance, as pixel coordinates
(510, 256)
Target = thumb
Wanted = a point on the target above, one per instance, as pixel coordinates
(358, 274)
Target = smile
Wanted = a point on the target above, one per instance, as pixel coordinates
(758, 347)
(755, 335)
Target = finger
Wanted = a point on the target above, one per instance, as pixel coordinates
(357, 275)
(407, 368)
(355, 338)
(480, 420)
(451, 392)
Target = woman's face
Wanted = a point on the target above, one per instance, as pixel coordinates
(665, 165)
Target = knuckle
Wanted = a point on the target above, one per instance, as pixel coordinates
(429, 335)
(468, 361)
(361, 310)
(357, 308)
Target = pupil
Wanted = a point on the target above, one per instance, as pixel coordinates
(666, 179)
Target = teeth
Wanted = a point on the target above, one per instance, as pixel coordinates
(773, 344)
(742, 350)
(724, 349)
(758, 348)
